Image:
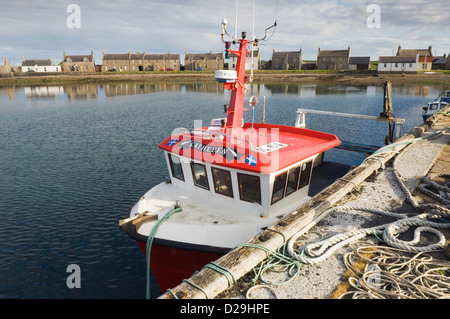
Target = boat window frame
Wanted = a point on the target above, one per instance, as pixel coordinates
(230, 186)
(172, 168)
(296, 182)
(194, 178)
(300, 185)
(283, 190)
(243, 175)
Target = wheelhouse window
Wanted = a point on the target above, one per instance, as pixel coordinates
(222, 182)
(249, 188)
(175, 166)
(199, 175)
(278, 187)
(305, 174)
(292, 180)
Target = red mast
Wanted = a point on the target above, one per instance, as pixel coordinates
(236, 107)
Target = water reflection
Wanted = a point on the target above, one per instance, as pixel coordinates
(113, 89)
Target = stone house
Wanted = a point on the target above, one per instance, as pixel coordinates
(398, 64)
(447, 65)
(6, 67)
(203, 61)
(78, 63)
(425, 61)
(248, 62)
(333, 59)
(44, 66)
(129, 62)
(291, 60)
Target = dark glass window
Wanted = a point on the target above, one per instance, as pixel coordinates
(249, 188)
(175, 166)
(305, 174)
(199, 175)
(292, 181)
(222, 182)
(278, 187)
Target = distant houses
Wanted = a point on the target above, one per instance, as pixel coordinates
(78, 63)
(398, 64)
(41, 66)
(203, 61)
(405, 61)
(132, 62)
(291, 60)
(333, 59)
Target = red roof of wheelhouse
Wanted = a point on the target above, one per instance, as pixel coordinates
(261, 148)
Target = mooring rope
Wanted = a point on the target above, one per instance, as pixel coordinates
(150, 238)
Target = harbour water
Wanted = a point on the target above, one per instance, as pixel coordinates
(75, 158)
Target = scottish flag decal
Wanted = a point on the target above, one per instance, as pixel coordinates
(172, 142)
(251, 160)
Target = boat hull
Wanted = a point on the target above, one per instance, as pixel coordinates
(170, 265)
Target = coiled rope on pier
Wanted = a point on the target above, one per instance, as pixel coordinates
(427, 219)
(396, 273)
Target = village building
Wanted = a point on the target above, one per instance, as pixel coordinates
(425, 61)
(447, 65)
(333, 59)
(359, 63)
(248, 62)
(6, 67)
(203, 61)
(40, 66)
(78, 63)
(398, 64)
(439, 62)
(129, 62)
(291, 60)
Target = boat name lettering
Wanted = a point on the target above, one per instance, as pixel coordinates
(229, 153)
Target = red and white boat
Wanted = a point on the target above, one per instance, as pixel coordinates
(229, 181)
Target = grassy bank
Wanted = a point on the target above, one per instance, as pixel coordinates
(260, 76)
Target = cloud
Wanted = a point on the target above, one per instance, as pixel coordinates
(38, 28)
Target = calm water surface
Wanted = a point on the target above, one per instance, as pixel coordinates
(75, 158)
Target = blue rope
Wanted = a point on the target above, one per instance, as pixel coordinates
(150, 241)
(196, 286)
(224, 271)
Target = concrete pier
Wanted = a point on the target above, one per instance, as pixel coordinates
(387, 181)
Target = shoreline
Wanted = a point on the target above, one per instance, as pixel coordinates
(260, 77)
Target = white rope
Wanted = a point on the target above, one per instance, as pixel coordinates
(318, 252)
(396, 273)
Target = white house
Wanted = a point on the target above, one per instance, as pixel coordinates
(398, 64)
(39, 66)
(232, 60)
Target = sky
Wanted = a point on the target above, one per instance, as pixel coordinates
(41, 29)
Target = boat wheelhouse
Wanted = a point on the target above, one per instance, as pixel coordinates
(228, 181)
(439, 103)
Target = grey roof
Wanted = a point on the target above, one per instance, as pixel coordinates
(203, 56)
(78, 58)
(37, 62)
(140, 56)
(284, 55)
(397, 59)
(333, 53)
(359, 60)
